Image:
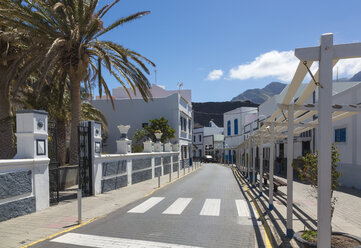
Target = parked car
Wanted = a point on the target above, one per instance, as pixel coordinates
(207, 159)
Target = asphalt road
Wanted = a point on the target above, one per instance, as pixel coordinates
(204, 209)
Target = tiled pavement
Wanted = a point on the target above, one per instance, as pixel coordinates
(347, 215)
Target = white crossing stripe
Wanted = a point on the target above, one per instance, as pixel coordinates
(145, 206)
(211, 207)
(242, 208)
(178, 206)
(109, 242)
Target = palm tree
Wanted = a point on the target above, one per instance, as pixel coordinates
(19, 55)
(71, 31)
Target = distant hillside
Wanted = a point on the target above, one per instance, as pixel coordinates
(259, 96)
(206, 111)
(356, 77)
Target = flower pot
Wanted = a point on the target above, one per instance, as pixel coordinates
(335, 236)
(158, 135)
(123, 129)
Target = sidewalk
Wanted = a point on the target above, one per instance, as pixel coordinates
(347, 215)
(24, 230)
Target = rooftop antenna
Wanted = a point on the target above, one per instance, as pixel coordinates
(180, 85)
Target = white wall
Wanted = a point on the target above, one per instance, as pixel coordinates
(135, 112)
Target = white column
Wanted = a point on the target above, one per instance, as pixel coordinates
(153, 166)
(32, 143)
(271, 167)
(290, 171)
(129, 171)
(249, 161)
(261, 166)
(96, 145)
(324, 141)
(254, 166)
(162, 166)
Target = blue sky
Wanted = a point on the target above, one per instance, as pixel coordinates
(249, 42)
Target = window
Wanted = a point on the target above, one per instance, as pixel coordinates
(340, 135)
(229, 128)
(235, 126)
(189, 125)
(194, 138)
(200, 138)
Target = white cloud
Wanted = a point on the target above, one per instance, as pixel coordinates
(282, 66)
(215, 75)
(347, 67)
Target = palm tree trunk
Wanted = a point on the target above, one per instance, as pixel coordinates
(61, 141)
(7, 140)
(75, 103)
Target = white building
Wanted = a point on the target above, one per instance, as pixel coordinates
(175, 107)
(206, 140)
(234, 123)
(346, 135)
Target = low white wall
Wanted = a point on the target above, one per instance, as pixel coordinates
(120, 168)
(25, 186)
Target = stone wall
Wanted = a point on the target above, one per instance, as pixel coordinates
(113, 171)
(114, 175)
(166, 165)
(16, 196)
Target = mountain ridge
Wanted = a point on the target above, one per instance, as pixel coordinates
(259, 96)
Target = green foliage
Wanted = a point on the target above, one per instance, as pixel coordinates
(162, 125)
(308, 173)
(309, 235)
(139, 137)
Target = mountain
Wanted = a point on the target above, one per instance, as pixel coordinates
(356, 77)
(259, 96)
(206, 111)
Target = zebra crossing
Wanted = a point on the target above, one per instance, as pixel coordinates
(211, 207)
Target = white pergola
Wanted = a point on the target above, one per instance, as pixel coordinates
(289, 119)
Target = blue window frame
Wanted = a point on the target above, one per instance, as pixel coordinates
(229, 128)
(340, 135)
(235, 126)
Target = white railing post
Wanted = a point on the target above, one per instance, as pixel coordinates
(271, 167)
(249, 161)
(261, 166)
(254, 165)
(290, 171)
(324, 144)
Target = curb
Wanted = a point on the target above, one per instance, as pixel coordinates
(268, 237)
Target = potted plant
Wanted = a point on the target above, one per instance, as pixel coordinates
(308, 174)
(158, 134)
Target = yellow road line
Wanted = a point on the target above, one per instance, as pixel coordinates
(64, 231)
(91, 220)
(267, 230)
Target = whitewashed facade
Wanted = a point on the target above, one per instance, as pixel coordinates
(234, 123)
(137, 113)
(206, 140)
